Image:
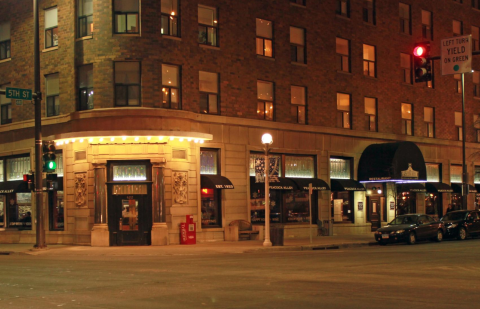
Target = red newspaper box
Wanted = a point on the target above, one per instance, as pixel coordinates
(188, 232)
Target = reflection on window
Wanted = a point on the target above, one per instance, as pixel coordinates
(19, 210)
(129, 172)
(477, 175)
(56, 205)
(257, 165)
(59, 162)
(208, 162)
(339, 169)
(16, 167)
(129, 221)
(302, 167)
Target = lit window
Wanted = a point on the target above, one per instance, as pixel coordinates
(126, 16)
(171, 86)
(457, 28)
(407, 117)
(85, 18)
(127, 83)
(208, 86)
(207, 26)
(343, 55)
(264, 39)
(265, 100)
(458, 125)
(51, 27)
(297, 99)
(170, 18)
(53, 97)
(369, 60)
(343, 111)
(429, 119)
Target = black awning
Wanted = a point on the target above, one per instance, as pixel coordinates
(346, 185)
(13, 187)
(215, 182)
(317, 184)
(392, 162)
(457, 188)
(282, 184)
(438, 187)
(411, 187)
(477, 186)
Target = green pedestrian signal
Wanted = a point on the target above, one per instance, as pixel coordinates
(49, 164)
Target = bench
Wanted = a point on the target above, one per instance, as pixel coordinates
(239, 230)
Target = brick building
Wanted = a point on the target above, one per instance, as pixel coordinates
(158, 108)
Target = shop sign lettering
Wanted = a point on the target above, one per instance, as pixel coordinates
(224, 187)
(379, 178)
(409, 173)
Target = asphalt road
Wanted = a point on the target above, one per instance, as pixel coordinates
(426, 275)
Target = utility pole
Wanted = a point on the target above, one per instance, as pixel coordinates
(37, 96)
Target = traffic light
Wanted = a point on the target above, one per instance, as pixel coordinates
(49, 164)
(422, 62)
(30, 180)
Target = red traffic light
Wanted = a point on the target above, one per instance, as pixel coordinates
(25, 177)
(419, 51)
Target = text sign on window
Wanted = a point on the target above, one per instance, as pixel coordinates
(129, 173)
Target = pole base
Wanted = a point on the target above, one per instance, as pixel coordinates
(267, 243)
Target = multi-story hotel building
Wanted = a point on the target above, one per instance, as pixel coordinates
(157, 108)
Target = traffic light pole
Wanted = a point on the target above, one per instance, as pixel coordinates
(40, 230)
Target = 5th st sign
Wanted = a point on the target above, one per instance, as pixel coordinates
(18, 94)
(457, 55)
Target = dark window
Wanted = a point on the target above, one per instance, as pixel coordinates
(264, 40)
(208, 86)
(476, 84)
(56, 210)
(171, 86)
(343, 55)
(6, 107)
(52, 94)
(369, 11)
(126, 18)
(405, 17)
(475, 38)
(127, 83)
(297, 44)
(85, 18)
(4, 40)
(51, 27)
(371, 113)
(427, 25)
(457, 27)
(406, 67)
(343, 8)
(211, 198)
(429, 119)
(85, 87)
(476, 4)
(170, 18)
(299, 2)
(207, 26)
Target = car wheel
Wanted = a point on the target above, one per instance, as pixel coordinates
(439, 237)
(462, 234)
(411, 238)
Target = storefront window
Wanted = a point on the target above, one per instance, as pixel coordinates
(257, 164)
(342, 206)
(296, 166)
(433, 205)
(2, 211)
(1, 171)
(208, 162)
(456, 201)
(210, 209)
(129, 173)
(20, 210)
(406, 203)
(16, 167)
(433, 172)
(476, 181)
(340, 168)
(296, 206)
(257, 206)
(455, 173)
(56, 210)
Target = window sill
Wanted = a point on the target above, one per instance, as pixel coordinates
(265, 57)
(345, 73)
(46, 50)
(128, 34)
(209, 46)
(6, 60)
(342, 17)
(83, 38)
(299, 64)
(369, 24)
(370, 77)
(407, 84)
(298, 5)
(170, 37)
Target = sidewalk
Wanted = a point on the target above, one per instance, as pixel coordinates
(218, 247)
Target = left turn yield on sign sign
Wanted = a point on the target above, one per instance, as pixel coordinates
(457, 55)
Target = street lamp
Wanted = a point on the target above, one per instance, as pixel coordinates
(267, 141)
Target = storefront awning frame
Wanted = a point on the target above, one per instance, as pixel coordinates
(457, 188)
(15, 186)
(339, 185)
(282, 184)
(411, 187)
(317, 184)
(215, 182)
(438, 187)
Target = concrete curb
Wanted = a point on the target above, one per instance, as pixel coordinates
(313, 247)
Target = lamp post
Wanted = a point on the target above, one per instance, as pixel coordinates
(267, 141)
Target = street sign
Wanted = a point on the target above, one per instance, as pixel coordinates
(18, 93)
(457, 55)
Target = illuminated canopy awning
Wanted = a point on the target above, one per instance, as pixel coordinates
(438, 187)
(339, 185)
(215, 182)
(392, 162)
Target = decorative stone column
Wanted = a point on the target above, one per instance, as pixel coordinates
(100, 235)
(159, 227)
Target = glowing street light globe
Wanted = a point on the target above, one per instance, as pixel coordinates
(267, 138)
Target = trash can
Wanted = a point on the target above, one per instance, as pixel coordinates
(276, 235)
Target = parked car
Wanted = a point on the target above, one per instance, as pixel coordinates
(461, 223)
(410, 228)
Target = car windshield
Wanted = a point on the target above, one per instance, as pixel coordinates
(404, 220)
(454, 216)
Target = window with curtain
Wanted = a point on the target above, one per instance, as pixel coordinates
(458, 81)
(429, 119)
(433, 172)
(85, 18)
(126, 17)
(51, 27)
(369, 60)
(343, 111)
(6, 107)
(340, 168)
(343, 8)
(265, 98)
(171, 86)
(343, 55)
(127, 83)
(5, 40)
(299, 167)
(297, 44)
(455, 173)
(298, 100)
(371, 113)
(170, 18)
(208, 162)
(406, 67)
(208, 86)
(16, 167)
(404, 12)
(457, 27)
(207, 26)
(53, 94)
(85, 87)
(427, 28)
(264, 40)
(407, 117)
(369, 11)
